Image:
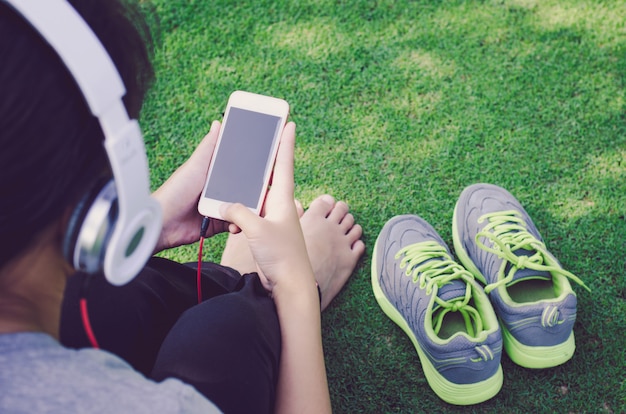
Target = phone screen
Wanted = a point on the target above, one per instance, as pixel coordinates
(242, 157)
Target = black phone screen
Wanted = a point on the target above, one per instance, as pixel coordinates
(242, 157)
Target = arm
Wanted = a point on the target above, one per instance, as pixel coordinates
(302, 384)
(179, 195)
(278, 246)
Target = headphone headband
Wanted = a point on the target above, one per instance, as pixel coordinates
(82, 53)
(138, 223)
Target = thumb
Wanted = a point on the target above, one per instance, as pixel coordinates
(240, 216)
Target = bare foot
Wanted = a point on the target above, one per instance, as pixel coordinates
(334, 244)
(332, 239)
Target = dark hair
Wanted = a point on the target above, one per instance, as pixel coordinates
(51, 148)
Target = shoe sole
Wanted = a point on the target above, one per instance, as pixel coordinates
(450, 392)
(535, 357)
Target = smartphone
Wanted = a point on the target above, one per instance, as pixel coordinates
(246, 148)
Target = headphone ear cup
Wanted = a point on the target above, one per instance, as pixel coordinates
(90, 226)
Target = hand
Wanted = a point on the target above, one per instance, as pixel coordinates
(179, 196)
(276, 239)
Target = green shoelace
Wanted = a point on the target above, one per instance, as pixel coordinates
(429, 264)
(508, 233)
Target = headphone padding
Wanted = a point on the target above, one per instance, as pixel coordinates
(79, 222)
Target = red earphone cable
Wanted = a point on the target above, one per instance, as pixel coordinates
(203, 229)
(199, 274)
(87, 324)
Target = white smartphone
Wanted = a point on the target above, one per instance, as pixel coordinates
(244, 155)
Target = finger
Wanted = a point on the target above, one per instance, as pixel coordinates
(233, 229)
(283, 169)
(239, 215)
(217, 226)
(210, 139)
(204, 151)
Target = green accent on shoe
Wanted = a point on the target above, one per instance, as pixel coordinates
(508, 231)
(538, 357)
(436, 273)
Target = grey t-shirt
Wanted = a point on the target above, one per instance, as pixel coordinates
(38, 375)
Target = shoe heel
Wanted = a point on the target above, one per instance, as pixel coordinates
(537, 357)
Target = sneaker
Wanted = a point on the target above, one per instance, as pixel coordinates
(498, 243)
(440, 306)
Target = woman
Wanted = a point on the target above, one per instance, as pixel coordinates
(252, 345)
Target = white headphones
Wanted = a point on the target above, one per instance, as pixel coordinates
(116, 228)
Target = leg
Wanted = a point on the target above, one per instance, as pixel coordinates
(228, 348)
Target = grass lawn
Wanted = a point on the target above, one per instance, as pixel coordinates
(399, 106)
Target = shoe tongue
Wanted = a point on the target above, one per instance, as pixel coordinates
(452, 290)
(526, 273)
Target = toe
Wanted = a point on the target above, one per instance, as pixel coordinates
(339, 212)
(355, 234)
(358, 248)
(347, 223)
(322, 205)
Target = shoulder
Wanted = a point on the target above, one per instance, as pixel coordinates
(39, 375)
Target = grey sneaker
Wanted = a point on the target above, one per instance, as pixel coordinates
(498, 243)
(441, 308)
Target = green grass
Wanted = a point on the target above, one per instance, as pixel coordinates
(399, 106)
